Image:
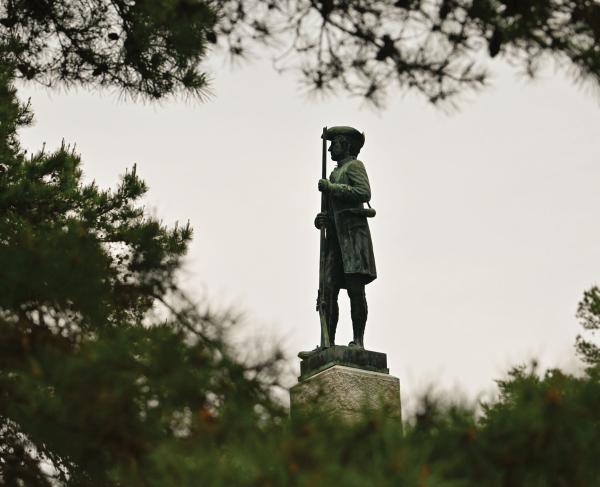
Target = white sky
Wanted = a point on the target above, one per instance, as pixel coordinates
(486, 232)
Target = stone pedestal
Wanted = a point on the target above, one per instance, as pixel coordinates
(347, 383)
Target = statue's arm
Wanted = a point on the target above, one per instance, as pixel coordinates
(358, 190)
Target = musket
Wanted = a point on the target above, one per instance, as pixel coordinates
(321, 301)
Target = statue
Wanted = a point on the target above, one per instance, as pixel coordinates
(347, 260)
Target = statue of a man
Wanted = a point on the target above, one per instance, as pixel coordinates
(349, 259)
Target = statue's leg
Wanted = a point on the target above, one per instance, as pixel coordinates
(358, 307)
(334, 280)
(333, 312)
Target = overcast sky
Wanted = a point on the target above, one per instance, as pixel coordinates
(486, 232)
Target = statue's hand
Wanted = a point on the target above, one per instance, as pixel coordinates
(324, 185)
(321, 220)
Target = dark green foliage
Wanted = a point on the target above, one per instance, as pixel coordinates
(362, 47)
(108, 376)
(103, 364)
(540, 432)
(545, 429)
(435, 47)
(150, 48)
(588, 312)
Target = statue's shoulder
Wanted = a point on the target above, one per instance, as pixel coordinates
(356, 164)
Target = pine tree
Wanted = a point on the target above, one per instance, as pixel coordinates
(438, 48)
(588, 313)
(150, 49)
(110, 376)
(104, 366)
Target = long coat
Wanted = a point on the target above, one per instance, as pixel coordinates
(350, 190)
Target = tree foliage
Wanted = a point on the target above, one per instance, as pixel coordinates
(588, 313)
(109, 376)
(103, 363)
(438, 48)
(143, 47)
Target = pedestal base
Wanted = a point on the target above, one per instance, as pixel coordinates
(342, 355)
(348, 393)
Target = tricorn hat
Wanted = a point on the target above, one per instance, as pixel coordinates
(357, 137)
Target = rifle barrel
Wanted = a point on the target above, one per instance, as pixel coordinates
(322, 304)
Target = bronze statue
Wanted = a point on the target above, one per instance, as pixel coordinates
(347, 260)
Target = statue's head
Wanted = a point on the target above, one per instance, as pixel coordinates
(345, 141)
